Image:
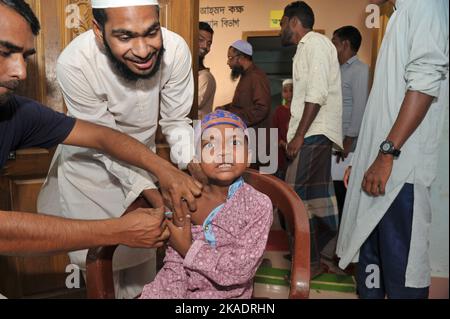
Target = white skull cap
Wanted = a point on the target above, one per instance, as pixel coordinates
(243, 46)
(103, 4)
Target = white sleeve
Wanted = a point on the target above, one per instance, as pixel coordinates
(318, 73)
(177, 97)
(83, 104)
(428, 60)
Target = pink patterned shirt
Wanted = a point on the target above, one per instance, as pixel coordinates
(225, 253)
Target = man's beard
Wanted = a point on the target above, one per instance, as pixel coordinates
(12, 86)
(125, 71)
(286, 37)
(236, 72)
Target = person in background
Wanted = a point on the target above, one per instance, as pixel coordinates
(252, 99)
(280, 121)
(206, 80)
(387, 214)
(355, 90)
(315, 125)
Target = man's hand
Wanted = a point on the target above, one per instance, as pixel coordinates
(376, 177)
(181, 237)
(347, 174)
(144, 228)
(177, 187)
(348, 143)
(153, 197)
(293, 148)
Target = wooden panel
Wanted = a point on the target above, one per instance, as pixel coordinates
(29, 162)
(34, 87)
(182, 17)
(38, 274)
(20, 182)
(71, 28)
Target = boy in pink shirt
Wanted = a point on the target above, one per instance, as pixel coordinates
(216, 255)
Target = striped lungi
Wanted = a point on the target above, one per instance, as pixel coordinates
(310, 176)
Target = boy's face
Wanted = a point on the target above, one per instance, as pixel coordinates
(288, 92)
(224, 154)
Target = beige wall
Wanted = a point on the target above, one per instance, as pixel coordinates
(330, 15)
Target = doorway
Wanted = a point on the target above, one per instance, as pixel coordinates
(272, 58)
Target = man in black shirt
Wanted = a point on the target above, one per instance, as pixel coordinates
(25, 123)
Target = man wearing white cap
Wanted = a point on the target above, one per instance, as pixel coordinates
(125, 74)
(252, 99)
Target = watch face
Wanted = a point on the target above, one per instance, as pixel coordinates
(386, 147)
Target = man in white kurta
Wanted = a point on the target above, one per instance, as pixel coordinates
(411, 84)
(94, 185)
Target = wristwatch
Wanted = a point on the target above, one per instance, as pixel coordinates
(387, 147)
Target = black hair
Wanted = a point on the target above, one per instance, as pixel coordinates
(101, 17)
(302, 11)
(351, 34)
(22, 8)
(205, 27)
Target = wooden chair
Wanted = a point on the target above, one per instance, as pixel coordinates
(99, 260)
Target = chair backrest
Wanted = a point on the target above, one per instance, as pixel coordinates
(291, 207)
(99, 260)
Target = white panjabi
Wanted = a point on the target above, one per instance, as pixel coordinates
(102, 4)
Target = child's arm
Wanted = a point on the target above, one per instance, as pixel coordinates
(180, 237)
(234, 264)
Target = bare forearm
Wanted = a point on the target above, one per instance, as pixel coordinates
(118, 145)
(309, 115)
(414, 109)
(24, 234)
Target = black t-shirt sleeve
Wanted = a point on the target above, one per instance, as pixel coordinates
(40, 126)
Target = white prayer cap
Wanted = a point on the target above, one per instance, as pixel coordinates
(287, 82)
(243, 46)
(103, 4)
